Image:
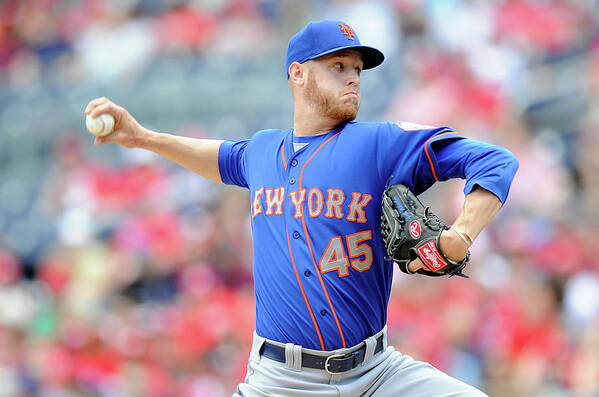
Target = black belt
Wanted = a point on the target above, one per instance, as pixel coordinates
(333, 363)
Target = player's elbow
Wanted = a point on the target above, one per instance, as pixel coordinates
(506, 165)
(508, 159)
(498, 159)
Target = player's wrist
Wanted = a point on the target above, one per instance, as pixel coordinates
(452, 246)
(145, 138)
(464, 236)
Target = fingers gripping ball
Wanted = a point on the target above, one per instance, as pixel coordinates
(101, 125)
(410, 230)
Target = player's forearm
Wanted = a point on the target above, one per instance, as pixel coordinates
(480, 207)
(197, 155)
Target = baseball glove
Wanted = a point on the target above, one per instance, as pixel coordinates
(411, 230)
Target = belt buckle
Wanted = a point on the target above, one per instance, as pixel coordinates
(338, 355)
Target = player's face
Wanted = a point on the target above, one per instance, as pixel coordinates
(333, 86)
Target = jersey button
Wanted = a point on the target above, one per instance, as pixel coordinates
(307, 273)
(291, 181)
(294, 163)
(323, 312)
(296, 235)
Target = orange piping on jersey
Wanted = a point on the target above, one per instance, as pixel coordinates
(283, 155)
(303, 292)
(429, 157)
(310, 244)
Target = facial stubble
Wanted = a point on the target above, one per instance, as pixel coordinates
(324, 103)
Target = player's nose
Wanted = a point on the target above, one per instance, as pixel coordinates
(353, 78)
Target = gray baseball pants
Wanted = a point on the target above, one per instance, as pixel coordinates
(388, 373)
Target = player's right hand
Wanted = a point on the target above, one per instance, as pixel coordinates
(127, 131)
(451, 246)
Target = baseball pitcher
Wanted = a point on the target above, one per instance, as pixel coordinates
(333, 205)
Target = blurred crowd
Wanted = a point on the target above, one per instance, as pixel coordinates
(124, 275)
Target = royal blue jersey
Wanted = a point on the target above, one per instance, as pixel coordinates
(321, 278)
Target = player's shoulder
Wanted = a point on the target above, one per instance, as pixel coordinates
(392, 127)
(410, 126)
(363, 127)
(267, 137)
(362, 130)
(268, 134)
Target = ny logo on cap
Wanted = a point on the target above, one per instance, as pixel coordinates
(349, 32)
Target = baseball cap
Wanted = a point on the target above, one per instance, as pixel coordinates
(320, 38)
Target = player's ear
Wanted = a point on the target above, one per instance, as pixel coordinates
(297, 74)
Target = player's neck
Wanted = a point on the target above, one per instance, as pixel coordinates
(305, 124)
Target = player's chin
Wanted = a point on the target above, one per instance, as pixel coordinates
(350, 110)
(344, 116)
(345, 111)
(350, 105)
(351, 100)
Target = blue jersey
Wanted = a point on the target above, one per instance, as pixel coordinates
(321, 278)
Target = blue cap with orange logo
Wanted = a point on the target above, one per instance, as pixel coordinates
(325, 37)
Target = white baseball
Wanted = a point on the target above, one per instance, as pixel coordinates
(101, 125)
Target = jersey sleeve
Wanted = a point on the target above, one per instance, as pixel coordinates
(420, 157)
(407, 156)
(482, 164)
(232, 163)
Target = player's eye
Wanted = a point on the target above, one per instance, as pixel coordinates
(338, 66)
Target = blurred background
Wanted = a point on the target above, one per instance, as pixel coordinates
(124, 275)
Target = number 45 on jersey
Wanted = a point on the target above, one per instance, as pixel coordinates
(359, 254)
